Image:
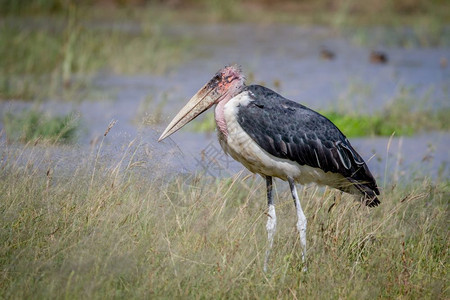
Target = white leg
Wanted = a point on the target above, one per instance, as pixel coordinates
(271, 220)
(301, 220)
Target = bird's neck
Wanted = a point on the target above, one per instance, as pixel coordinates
(219, 112)
(219, 115)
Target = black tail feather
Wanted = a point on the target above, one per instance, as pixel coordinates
(371, 200)
(369, 195)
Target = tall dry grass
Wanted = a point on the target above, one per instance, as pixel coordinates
(116, 231)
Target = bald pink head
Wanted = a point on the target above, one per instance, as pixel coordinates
(229, 81)
(226, 83)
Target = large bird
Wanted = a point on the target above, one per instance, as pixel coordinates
(276, 137)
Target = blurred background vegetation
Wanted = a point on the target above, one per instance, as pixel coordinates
(374, 8)
(52, 49)
(364, 11)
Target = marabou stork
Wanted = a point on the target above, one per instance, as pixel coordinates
(276, 137)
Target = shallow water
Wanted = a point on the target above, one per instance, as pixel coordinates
(284, 58)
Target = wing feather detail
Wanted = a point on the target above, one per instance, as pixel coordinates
(289, 130)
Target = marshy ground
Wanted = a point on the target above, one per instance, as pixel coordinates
(93, 207)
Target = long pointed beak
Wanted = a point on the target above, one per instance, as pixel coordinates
(200, 102)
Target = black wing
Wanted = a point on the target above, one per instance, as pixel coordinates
(287, 129)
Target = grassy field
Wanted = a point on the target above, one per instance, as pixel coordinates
(108, 230)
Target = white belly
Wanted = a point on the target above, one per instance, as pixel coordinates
(245, 150)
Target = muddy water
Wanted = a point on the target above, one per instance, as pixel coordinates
(284, 58)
